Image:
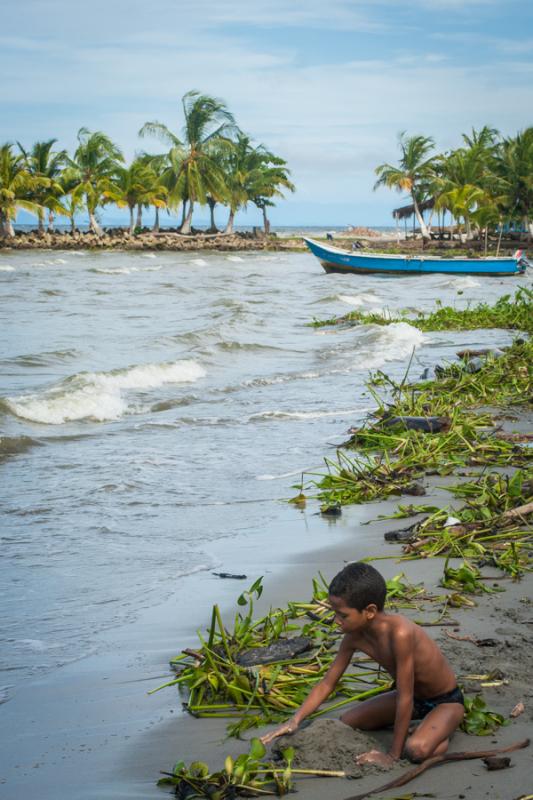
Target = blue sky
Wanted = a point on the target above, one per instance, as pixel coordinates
(327, 85)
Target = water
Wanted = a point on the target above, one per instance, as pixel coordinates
(152, 404)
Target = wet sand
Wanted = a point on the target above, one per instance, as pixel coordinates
(91, 731)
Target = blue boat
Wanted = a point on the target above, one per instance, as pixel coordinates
(333, 259)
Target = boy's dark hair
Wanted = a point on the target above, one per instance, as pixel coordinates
(359, 584)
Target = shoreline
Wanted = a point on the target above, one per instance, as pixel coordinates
(171, 241)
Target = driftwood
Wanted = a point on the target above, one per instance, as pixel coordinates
(484, 351)
(229, 575)
(514, 437)
(278, 651)
(521, 511)
(435, 761)
(425, 424)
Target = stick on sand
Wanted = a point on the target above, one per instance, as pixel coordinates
(435, 761)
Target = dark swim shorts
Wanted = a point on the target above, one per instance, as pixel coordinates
(421, 708)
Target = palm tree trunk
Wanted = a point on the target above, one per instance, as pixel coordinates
(50, 221)
(6, 226)
(212, 203)
(132, 221)
(229, 224)
(40, 218)
(266, 222)
(72, 223)
(186, 225)
(155, 229)
(93, 224)
(183, 213)
(139, 222)
(420, 219)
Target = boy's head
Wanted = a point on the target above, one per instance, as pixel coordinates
(359, 585)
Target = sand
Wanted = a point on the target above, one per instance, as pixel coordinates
(90, 730)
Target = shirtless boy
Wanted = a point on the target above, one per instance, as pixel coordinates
(425, 685)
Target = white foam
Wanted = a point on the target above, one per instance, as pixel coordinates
(98, 395)
(389, 343)
(234, 258)
(200, 262)
(358, 300)
(306, 414)
(7, 268)
(115, 271)
(283, 475)
(461, 283)
(149, 255)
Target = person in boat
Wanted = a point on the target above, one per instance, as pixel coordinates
(425, 687)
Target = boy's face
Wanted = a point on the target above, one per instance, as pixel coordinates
(350, 619)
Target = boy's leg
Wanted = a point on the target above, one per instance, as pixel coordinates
(377, 712)
(431, 738)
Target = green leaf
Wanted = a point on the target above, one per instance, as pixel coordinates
(257, 748)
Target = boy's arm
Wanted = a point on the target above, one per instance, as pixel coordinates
(318, 694)
(403, 649)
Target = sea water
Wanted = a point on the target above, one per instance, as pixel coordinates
(152, 404)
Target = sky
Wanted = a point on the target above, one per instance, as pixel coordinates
(326, 84)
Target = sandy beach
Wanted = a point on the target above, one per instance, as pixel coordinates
(96, 733)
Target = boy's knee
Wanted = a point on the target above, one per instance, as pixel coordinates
(416, 751)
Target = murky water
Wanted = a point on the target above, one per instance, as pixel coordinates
(153, 403)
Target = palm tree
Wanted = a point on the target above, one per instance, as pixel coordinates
(241, 166)
(128, 188)
(42, 162)
(16, 188)
(414, 174)
(159, 175)
(269, 179)
(463, 201)
(95, 165)
(514, 167)
(208, 123)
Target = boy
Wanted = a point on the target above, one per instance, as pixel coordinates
(425, 687)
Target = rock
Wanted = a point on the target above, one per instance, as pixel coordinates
(278, 651)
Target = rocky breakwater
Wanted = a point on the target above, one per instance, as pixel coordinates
(122, 240)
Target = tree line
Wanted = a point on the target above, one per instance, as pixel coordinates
(212, 162)
(486, 183)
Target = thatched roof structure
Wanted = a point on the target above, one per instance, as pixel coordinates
(407, 211)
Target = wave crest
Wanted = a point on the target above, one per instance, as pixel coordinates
(98, 395)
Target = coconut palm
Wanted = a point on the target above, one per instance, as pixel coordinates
(208, 124)
(241, 165)
(268, 181)
(42, 162)
(95, 165)
(463, 201)
(414, 173)
(16, 188)
(514, 168)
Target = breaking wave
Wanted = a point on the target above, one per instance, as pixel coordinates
(460, 283)
(98, 395)
(357, 300)
(381, 343)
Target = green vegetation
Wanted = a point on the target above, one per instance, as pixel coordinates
(484, 184)
(211, 162)
(247, 775)
(513, 313)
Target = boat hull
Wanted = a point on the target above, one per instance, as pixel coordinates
(336, 260)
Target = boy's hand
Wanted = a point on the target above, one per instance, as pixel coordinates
(287, 727)
(376, 757)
